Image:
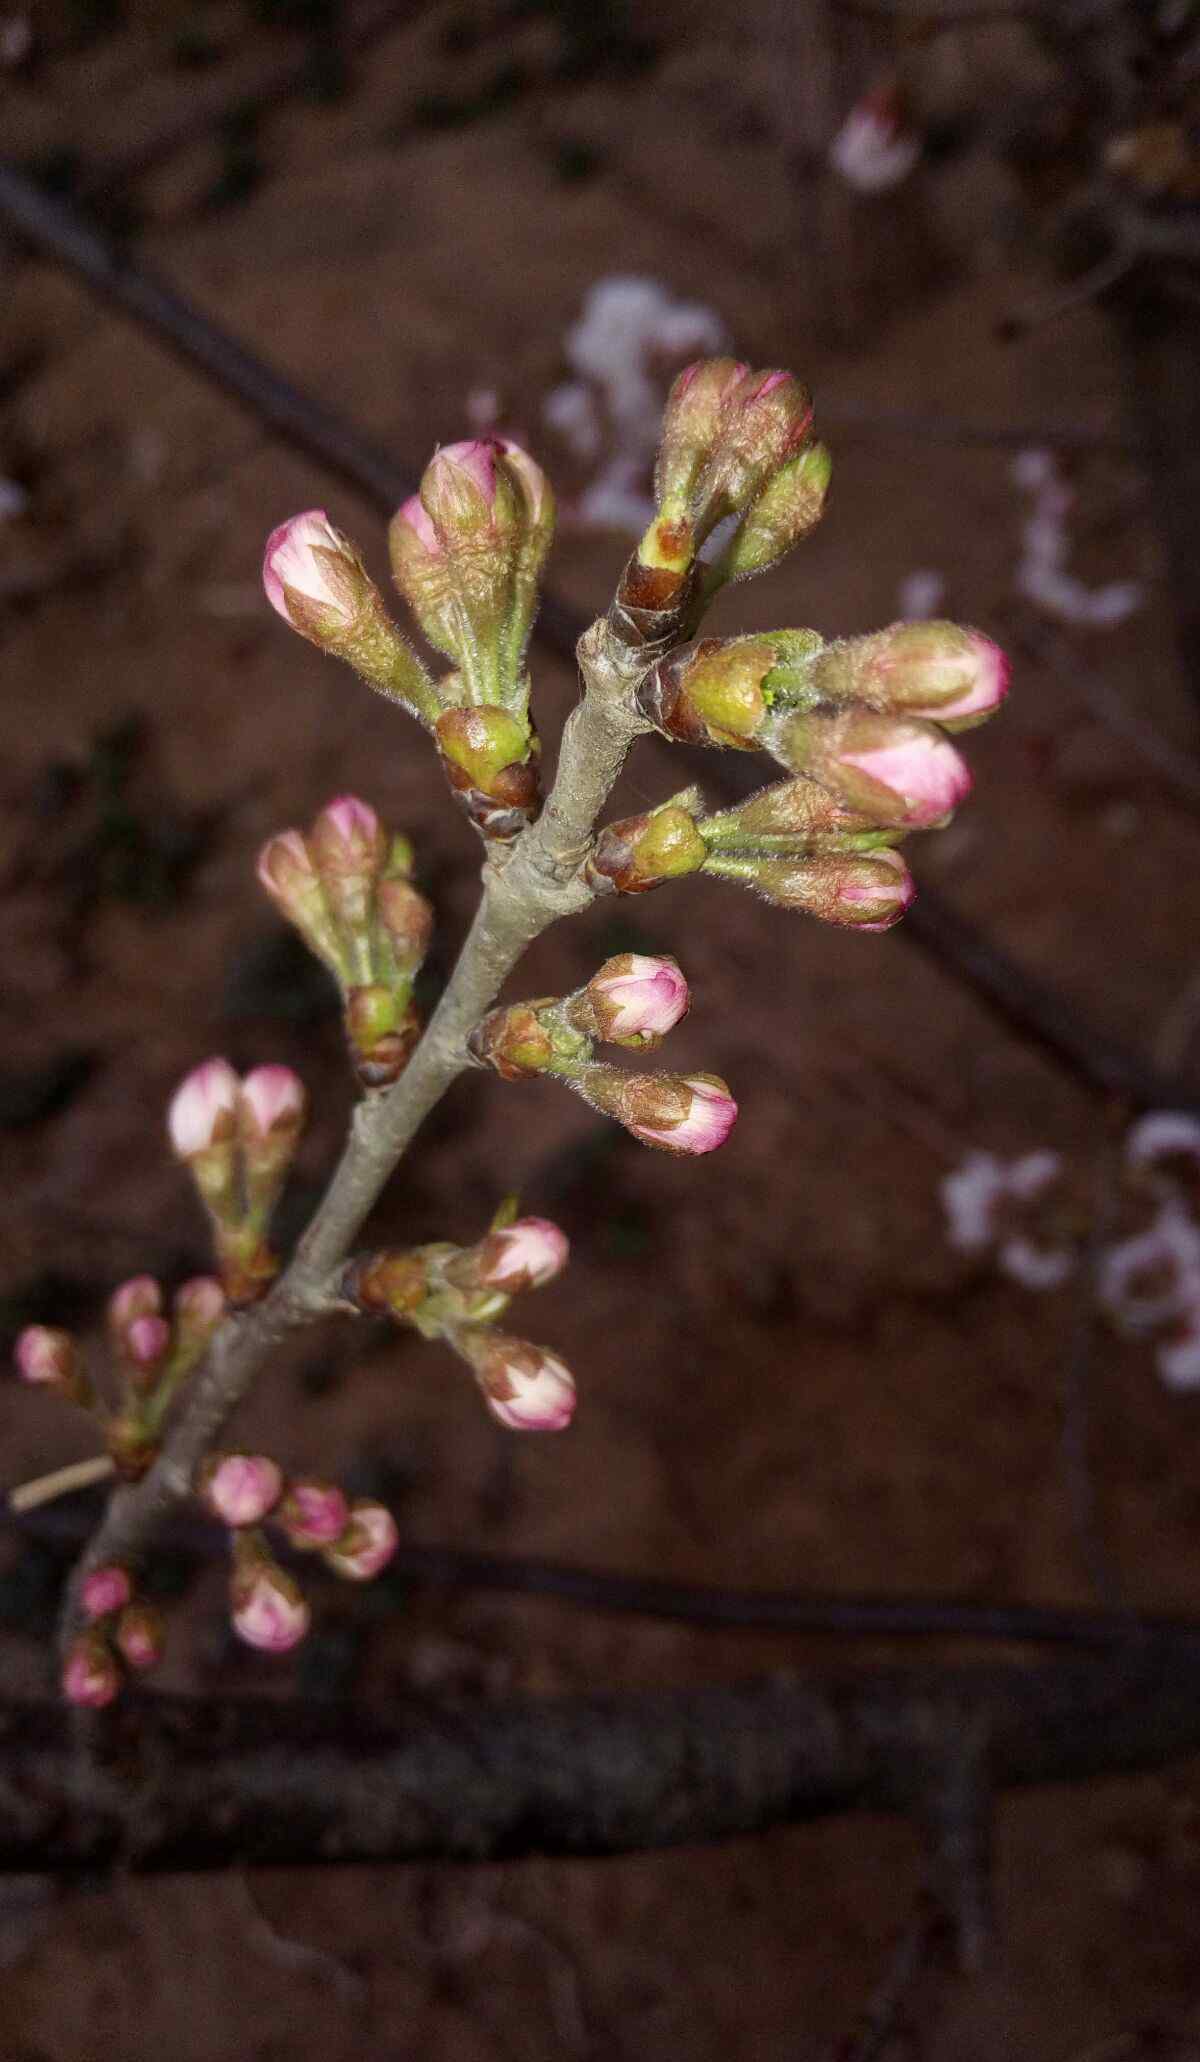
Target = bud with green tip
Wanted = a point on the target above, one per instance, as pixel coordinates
(523, 1039)
(788, 509)
(867, 891)
(641, 852)
(390, 1284)
(315, 579)
(954, 676)
(489, 757)
(711, 692)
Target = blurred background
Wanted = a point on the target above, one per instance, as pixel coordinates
(976, 232)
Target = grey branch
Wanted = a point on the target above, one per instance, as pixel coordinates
(525, 888)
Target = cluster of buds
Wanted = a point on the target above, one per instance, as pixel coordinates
(455, 1293)
(347, 887)
(736, 447)
(633, 1001)
(356, 1539)
(237, 1139)
(467, 552)
(121, 1636)
(150, 1354)
(859, 724)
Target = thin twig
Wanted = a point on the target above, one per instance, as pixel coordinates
(45, 1489)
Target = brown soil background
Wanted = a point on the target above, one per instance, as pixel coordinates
(786, 1377)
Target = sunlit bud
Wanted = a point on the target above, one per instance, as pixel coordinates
(894, 769)
(203, 1111)
(939, 670)
(287, 872)
(240, 1488)
(313, 1514)
(90, 1674)
(634, 999)
(868, 890)
(527, 1388)
(267, 1608)
(789, 507)
(104, 1590)
(198, 1309)
(141, 1637)
(681, 1113)
(524, 1255)
(392, 1283)
(710, 692)
(315, 579)
(490, 759)
(512, 1042)
(799, 810)
(47, 1358)
(366, 1546)
(641, 852)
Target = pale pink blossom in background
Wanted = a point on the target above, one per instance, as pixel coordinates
(873, 150)
(146, 1340)
(1042, 574)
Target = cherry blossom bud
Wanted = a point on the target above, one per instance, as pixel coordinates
(632, 1000)
(198, 1309)
(47, 1358)
(141, 1296)
(789, 507)
(939, 670)
(90, 1676)
(203, 1111)
(313, 1514)
(268, 1609)
(726, 431)
(271, 1116)
(240, 1488)
(524, 1255)
(527, 1388)
(273, 1099)
(513, 1042)
(407, 919)
(710, 693)
(894, 769)
(868, 891)
(680, 1113)
(348, 839)
(641, 852)
(141, 1637)
(697, 406)
(366, 1546)
(146, 1344)
(315, 579)
(104, 1590)
(489, 757)
(799, 811)
(393, 1283)
(288, 872)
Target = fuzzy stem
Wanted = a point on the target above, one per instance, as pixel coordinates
(525, 890)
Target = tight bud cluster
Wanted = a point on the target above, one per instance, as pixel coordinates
(347, 887)
(238, 1139)
(121, 1637)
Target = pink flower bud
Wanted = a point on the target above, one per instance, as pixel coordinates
(524, 1255)
(893, 769)
(91, 1676)
(286, 870)
(240, 1488)
(367, 1545)
(526, 1387)
(146, 1341)
(203, 1109)
(268, 1609)
(922, 774)
(348, 838)
(681, 1113)
(198, 1309)
(273, 1097)
(141, 1637)
(313, 1514)
(634, 1000)
(308, 562)
(46, 1357)
(104, 1590)
(140, 1297)
(937, 670)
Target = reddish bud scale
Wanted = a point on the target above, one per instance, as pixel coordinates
(710, 692)
(526, 1387)
(678, 1113)
(641, 852)
(512, 1042)
(490, 760)
(395, 1284)
(524, 1255)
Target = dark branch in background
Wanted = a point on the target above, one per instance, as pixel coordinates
(172, 1784)
(58, 231)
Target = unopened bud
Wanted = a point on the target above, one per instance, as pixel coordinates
(799, 810)
(203, 1112)
(490, 760)
(367, 1544)
(145, 1346)
(407, 920)
(313, 1514)
(527, 1388)
(867, 890)
(892, 769)
(105, 1590)
(90, 1674)
(141, 1637)
(315, 579)
(141, 1296)
(271, 1114)
(634, 999)
(395, 1284)
(710, 692)
(954, 676)
(48, 1358)
(641, 852)
(268, 1609)
(512, 1042)
(520, 1256)
(240, 1488)
(289, 875)
(383, 1029)
(697, 405)
(198, 1309)
(789, 507)
(680, 1113)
